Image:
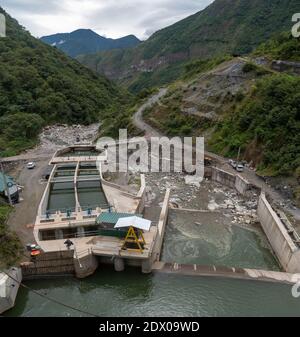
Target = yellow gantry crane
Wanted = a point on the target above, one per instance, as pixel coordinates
(134, 239)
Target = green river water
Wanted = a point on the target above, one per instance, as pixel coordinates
(131, 293)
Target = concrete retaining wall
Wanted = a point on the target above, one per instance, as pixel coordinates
(241, 184)
(55, 263)
(161, 228)
(142, 195)
(223, 177)
(44, 201)
(130, 203)
(285, 249)
(85, 264)
(117, 187)
(231, 180)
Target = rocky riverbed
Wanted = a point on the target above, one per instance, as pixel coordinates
(59, 136)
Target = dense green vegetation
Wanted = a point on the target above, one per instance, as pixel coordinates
(281, 47)
(269, 118)
(157, 78)
(112, 125)
(176, 124)
(40, 85)
(226, 27)
(19, 132)
(197, 67)
(10, 246)
(263, 123)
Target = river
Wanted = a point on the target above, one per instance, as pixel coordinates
(132, 294)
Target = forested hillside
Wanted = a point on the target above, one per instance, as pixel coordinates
(85, 41)
(240, 105)
(232, 27)
(40, 85)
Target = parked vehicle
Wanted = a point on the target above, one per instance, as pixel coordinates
(233, 164)
(240, 168)
(31, 165)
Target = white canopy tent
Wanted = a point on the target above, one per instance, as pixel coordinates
(135, 222)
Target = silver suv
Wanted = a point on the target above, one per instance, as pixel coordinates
(240, 168)
(31, 165)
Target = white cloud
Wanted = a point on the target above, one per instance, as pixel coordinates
(112, 18)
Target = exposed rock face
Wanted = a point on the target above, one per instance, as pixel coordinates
(209, 95)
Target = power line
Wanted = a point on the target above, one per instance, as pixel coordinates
(51, 299)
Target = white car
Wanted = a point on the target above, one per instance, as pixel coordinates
(240, 168)
(31, 165)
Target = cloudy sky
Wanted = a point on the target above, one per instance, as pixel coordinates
(111, 18)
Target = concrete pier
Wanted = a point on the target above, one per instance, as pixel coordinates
(9, 286)
(119, 264)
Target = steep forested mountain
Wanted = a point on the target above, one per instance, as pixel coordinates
(241, 105)
(85, 41)
(224, 27)
(40, 84)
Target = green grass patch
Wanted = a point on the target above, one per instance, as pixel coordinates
(10, 245)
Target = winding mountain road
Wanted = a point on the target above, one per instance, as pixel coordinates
(222, 162)
(138, 116)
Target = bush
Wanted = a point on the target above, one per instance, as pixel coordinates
(10, 246)
(270, 118)
(249, 67)
(239, 96)
(297, 174)
(19, 132)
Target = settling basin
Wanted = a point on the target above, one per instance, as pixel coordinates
(62, 197)
(209, 238)
(90, 192)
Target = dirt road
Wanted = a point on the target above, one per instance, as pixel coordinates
(25, 212)
(51, 139)
(248, 174)
(138, 116)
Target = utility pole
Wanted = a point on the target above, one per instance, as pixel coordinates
(239, 154)
(5, 183)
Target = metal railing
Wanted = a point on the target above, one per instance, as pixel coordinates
(66, 236)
